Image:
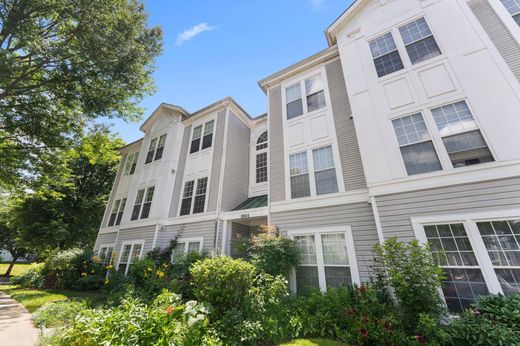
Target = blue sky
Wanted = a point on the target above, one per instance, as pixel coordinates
(214, 49)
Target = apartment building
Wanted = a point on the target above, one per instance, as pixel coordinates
(407, 125)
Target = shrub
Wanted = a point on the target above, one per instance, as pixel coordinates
(409, 270)
(180, 275)
(149, 279)
(493, 320)
(32, 278)
(273, 254)
(58, 314)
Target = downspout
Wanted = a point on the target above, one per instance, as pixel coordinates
(157, 229)
(379, 229)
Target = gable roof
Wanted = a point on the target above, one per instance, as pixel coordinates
(349, 13)
(153, 117)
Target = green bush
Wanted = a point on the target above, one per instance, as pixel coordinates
(149, 279)
(411, 273)
(180, 275)
(494, 320)
(273, 254)
(58, 314)
(32, 278)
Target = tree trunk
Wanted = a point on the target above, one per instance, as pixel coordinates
(11, 265)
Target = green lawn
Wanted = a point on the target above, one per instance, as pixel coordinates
(19, 268)
(313, 342)
(33, 299)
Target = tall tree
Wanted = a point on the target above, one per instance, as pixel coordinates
(10, 237)
(63, 63)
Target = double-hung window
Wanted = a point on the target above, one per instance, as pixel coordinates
(299, 172)
(151, 151)
(105, 254)
(324, 170)
(324, 260)
(185, 246)
(131, 251)
(160, 148)
(141, 208)
(261, 158)
(419, 41)
(314, 96)
(385, 54)
(415, 143)
(131, 163)
(190, 205)
(113, 215)
(513, 6)
(200, 140)
(461, 135)
(156, 149)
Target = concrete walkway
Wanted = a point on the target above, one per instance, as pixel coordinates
(16, 327)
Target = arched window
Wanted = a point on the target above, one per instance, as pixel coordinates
(261, 158)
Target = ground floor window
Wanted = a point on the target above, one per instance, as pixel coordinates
(327, 259)
(130, 252)
(105, 254)
(479, 255)
(187, 245)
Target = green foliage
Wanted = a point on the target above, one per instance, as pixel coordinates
(273, 254)
(58, 314)
(180, 275)
(494, 320)
(64, 63)
(32, 278)
(411, 273)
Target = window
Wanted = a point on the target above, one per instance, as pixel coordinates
(419, 41)
(119, 212)
(113, 215)
(207, 139)
(513, 6)
(131, 251)
(151, 151)
(299, 172)
(314, 95)
(198, 203)
(460, 134)
(453, 251)
(261, 158)
(385, 54)
(324, 260)
(105, 254)
(147, 203)
(139, 209)
(416, 146)
(131, 163)
(324, 171)
(185, 246)
(160, 148)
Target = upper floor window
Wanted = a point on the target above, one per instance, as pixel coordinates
(261, 158)
(419, 41)
(207, 137)
(416, 146)
(117, 212)
(190, 205)
(460, 135)
(385, 54)
(324, 179)
(314, 96)
(142, 210)
(156, 149)
(131, 163)
(513, 6)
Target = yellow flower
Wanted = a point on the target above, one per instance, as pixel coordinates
(160, 273)
(83, 274)
(109, 266)
(106, 281)
(92, 271)
(149, 269)
(165, 265)
(96, 259)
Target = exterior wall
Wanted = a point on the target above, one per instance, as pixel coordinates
(276, 144)
(396, 210)
(204, 229)
(359, 216)
(235, 186)
(352, 166)
(257, 189)
(141, 233)
(218, 152)
(179, 175)
(105, 238)
(114, 191)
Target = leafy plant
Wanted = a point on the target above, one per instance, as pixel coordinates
(58, 314)
(32, 278)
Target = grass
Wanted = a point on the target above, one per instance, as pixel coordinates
(313, 342)
(19, 268)
(32, 299)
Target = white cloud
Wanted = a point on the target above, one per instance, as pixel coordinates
(317, 3)
(192, 32)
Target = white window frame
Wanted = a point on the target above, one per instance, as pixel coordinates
(142, 202)
(317, 232)
(132, 243)
(187, 241)
(156, 146)
(303, 92)
(195, 185)
(259, 152)
(106, 246)
(131, 159)
(203, 124)
(470, 220)
(409, 60)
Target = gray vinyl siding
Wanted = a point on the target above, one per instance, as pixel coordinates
(359, 216)
(113, 192)
(179, 174)
(235, 187)
(497, 31)
(105, 238)
(276, 149)
(204, 229)
(134, 234)
(350, 156)
(218, 148)
(240, 229)
(395, 211)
